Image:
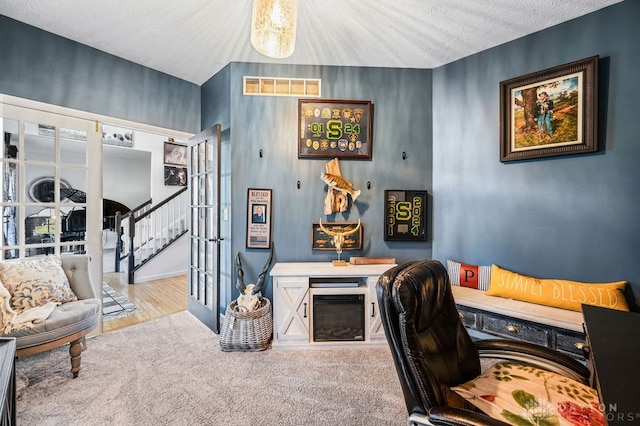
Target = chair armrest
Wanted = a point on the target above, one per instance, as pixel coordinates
(448, 416)
(76, 266)
(537, 355)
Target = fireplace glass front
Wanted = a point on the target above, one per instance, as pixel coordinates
(338, 317)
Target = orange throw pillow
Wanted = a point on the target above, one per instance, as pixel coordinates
(557, 293)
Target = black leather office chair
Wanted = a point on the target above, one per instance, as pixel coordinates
(433, 352)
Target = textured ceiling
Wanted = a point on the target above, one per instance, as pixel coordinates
(194, 39)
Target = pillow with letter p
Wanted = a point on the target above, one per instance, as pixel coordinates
(471, 276)
(563, 294)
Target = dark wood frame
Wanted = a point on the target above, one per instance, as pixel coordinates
(259, 233)
(391, 232)
(168, 148)
(318, 113)
(518, 92)
(317, 234)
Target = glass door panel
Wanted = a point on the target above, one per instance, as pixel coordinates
(41, 214)
(44, 181)
(11, 218)
(204, 274)
(39, 142)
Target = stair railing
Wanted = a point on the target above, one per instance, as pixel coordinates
(149, 230)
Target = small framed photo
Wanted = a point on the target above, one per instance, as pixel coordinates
(175, 176)
(175, 154)
(258, 218)
(550, 112)
(334, 129)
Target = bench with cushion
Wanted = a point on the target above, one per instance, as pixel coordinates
(556, 328)
(48, 302)
(497, 302)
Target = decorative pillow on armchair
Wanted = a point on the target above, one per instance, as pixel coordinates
(525, 395)
(472, 276)
(10, 321)
(36, 282)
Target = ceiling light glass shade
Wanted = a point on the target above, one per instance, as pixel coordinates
(273, 27)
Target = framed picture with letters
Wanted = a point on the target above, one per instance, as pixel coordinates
(405, 215)
(334, 128)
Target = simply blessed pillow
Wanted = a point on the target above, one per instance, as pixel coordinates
(472, 276)
(35, 282)
(563, 294)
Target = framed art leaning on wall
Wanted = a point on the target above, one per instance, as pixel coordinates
(550, 112)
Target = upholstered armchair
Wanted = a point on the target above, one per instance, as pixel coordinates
(439, 366)
(62, 323)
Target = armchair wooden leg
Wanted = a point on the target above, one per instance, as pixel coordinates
(75, 350)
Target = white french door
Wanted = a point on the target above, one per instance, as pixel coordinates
(204, 231)
(50, 203)
(49, 198)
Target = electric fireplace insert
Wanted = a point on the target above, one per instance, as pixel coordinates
(338, 317)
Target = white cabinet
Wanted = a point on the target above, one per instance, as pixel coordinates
(294, 287)
(376, 331)
(291, 309)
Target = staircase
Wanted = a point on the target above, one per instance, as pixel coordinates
(147, 230)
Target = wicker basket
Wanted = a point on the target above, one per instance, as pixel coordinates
(247, 331)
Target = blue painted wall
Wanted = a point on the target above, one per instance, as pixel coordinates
(572, 217)
(40, 66)
(566, 217)
(402, 122)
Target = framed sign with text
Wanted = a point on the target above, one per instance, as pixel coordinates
(258, 218)
(334, 129)
(405, 217)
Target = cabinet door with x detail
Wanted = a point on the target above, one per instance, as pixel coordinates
(291, 310)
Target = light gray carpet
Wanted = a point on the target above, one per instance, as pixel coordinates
(171, 371)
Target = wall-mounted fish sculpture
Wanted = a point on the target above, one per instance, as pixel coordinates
(341, 184)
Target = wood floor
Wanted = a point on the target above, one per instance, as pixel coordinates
(156, 298)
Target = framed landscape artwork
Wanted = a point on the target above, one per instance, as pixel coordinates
(551, 112)
(334, 129)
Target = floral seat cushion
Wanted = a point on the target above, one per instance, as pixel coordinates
(521, 394)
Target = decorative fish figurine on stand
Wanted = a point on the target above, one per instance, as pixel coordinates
(337, 199)
(341, 184)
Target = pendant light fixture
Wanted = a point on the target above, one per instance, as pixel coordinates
(273, 27)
